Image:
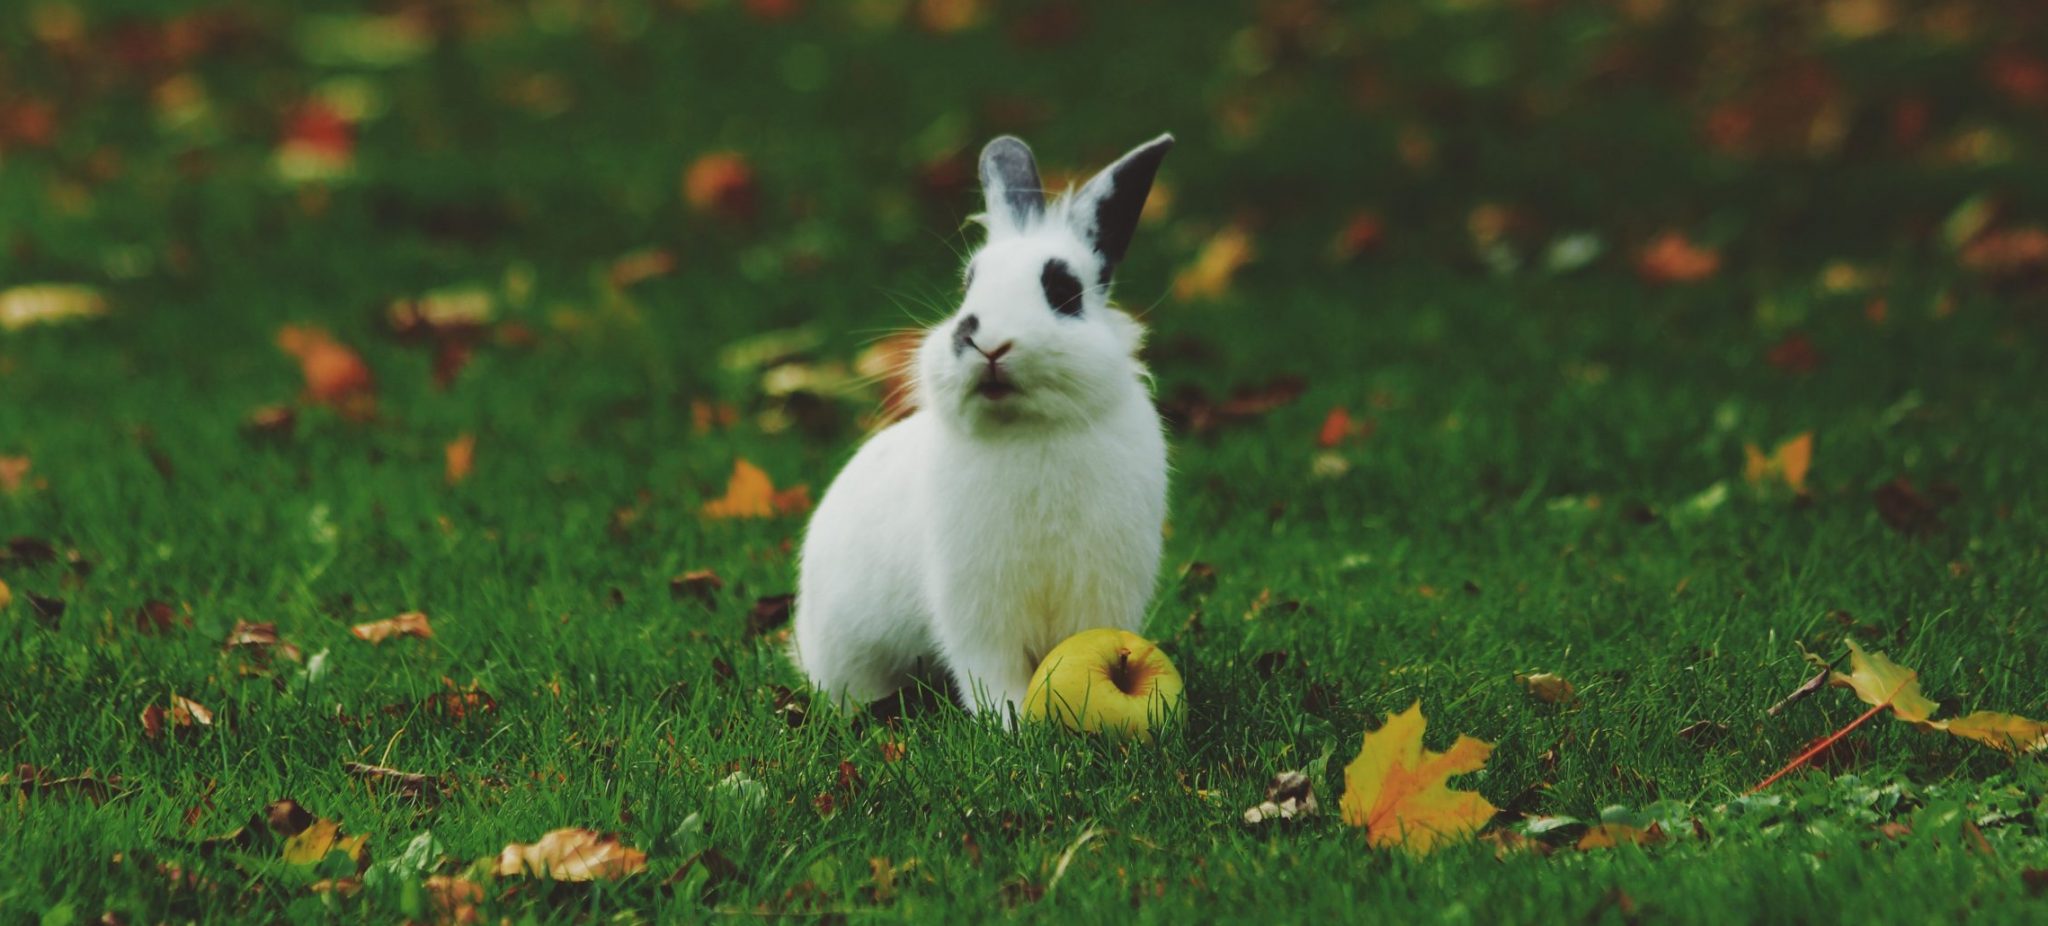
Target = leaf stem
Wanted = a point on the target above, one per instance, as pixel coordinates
(1817, 748)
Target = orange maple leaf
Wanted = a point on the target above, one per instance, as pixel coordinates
(1395, 788)
(335, 375)
(1788, 463)
(459, 457)
(751, 494)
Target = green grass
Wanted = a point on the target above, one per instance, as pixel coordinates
(1524, 502)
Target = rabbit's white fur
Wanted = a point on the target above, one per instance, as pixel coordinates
(984, 529)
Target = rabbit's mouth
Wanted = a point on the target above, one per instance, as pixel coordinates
(995, 387)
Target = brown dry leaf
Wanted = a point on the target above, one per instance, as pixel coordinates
(1215, 266)
(2007, 251)
(319, 838)
(410, 783)
(1288, 795)
(751, 494)
(184, 713)
(1788, 464)
(259, 642)
(1672, 258)
(571, 854)
(48, 303)
(1548, 688)
(1609, 835)
(701, 584)
(409, 624)
(1361, 234)
(454, 898)
(6, 596)
(721, 184)
(335, 375)
(1396, 788)
(13, 472)
(642, 265)
(459, 458)
(1904, 509)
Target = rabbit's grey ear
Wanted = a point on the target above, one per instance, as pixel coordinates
(1105, 210)
(1009, 180)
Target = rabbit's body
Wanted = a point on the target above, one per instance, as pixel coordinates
(1024, 501)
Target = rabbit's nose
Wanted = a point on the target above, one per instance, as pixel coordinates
(995, 355)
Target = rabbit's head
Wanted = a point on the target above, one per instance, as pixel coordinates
(1035, 341)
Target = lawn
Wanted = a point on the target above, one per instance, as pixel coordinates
(1558, 264)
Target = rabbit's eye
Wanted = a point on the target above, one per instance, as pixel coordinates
(1062, 288)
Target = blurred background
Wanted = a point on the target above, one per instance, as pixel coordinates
(181, 144)
(613, 224)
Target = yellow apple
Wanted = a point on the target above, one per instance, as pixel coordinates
(1106, 680)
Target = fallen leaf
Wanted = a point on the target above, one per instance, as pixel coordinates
(701, 584)
(6, 596)
(751, 494)
(769, 613)
(571, 854)
(48, 303)
(409, 624)
(318, 144)
(1816, 683)
(1880, 682)
(1396, 788)
(1225, 253)
(2007, 251)
(1788, 464)
(1671, 258)
(892, 363)
(2005, 732)
(335, 376)
(184, 713)
(640, 266)
(1904, 509)
(13, 472)
(1361, 234)
(460, 458)
(455, 899)
(721, 184)
(258, 641)
(1795, 354)
(319, 838)
(1548, 688)
(1609, 835)
(1288, 795)
(410, 783)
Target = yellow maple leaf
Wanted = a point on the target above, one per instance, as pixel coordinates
(1881, 682)
(314, 842)
(1215, 265)
(751, 494)
(2001, 731)
(1395, 788)
(1787, 464)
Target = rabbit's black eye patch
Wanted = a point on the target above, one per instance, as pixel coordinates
(1062, 288)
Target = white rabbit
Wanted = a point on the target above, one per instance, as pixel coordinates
(1024, 500)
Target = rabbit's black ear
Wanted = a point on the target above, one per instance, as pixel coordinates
(1009, 180)
(1105, 210)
